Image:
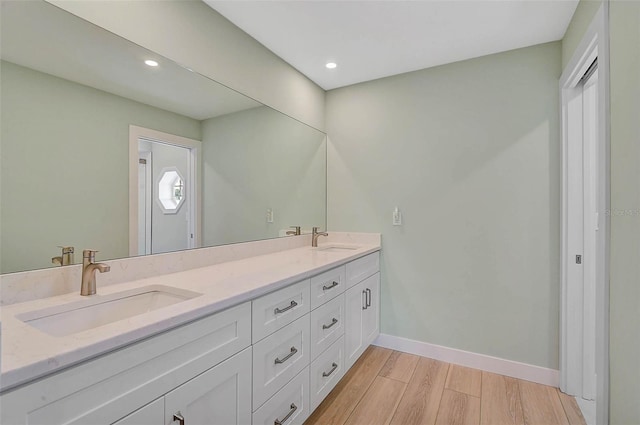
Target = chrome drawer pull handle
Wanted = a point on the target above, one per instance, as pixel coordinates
(333, 285)
(364, 307)
(294, 350)
(333, 322)
(368, 297)
(333, 369)
(282, 310)
(178, 417)
(280, 422)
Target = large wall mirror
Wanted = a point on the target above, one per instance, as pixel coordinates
(109, 146)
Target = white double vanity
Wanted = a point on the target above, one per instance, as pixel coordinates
(251, 332)
(250, 340)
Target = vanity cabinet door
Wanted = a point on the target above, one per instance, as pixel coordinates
(371, 315)
(151, 414)
(221, 395)
(355, 303)
(362, 322)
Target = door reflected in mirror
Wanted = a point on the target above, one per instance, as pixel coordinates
(71, 92)
(167, 169)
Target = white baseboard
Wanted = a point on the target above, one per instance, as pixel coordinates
(527, 372)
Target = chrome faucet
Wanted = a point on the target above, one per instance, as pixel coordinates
(295, 232)
(314, 236)
(89, 267)
(66, 258)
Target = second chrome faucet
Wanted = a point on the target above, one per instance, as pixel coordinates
(66, 258)
(295, 232)
(89, 267)
(315, 235)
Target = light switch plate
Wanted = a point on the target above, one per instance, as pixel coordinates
(397, 217)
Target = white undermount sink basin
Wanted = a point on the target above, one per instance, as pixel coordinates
(338, 248)
(71, 318)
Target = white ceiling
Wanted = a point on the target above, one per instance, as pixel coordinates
(375, 39)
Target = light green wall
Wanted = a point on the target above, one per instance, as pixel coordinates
(258, 159)
(208, 43)
(625, 217)
(580, 21)
(64, 166)
(470, 153)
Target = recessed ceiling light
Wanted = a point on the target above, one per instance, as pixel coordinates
(151, 63)
(331, 65)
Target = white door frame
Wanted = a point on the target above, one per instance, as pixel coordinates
(595, 43)
(194, 191)
(148, 199)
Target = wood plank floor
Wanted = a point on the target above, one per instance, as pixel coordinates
(390, 387)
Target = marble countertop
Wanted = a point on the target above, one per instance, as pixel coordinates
(28, 353)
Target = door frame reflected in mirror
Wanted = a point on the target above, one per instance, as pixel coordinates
(193, 191)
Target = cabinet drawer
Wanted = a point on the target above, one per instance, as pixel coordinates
(273, 311)
(325, 372)
(289, 406)
(360, 269)
(327, 325)
(327, 285)
(278, 358)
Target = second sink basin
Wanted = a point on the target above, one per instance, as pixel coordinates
(337, 248)
(71, 318)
